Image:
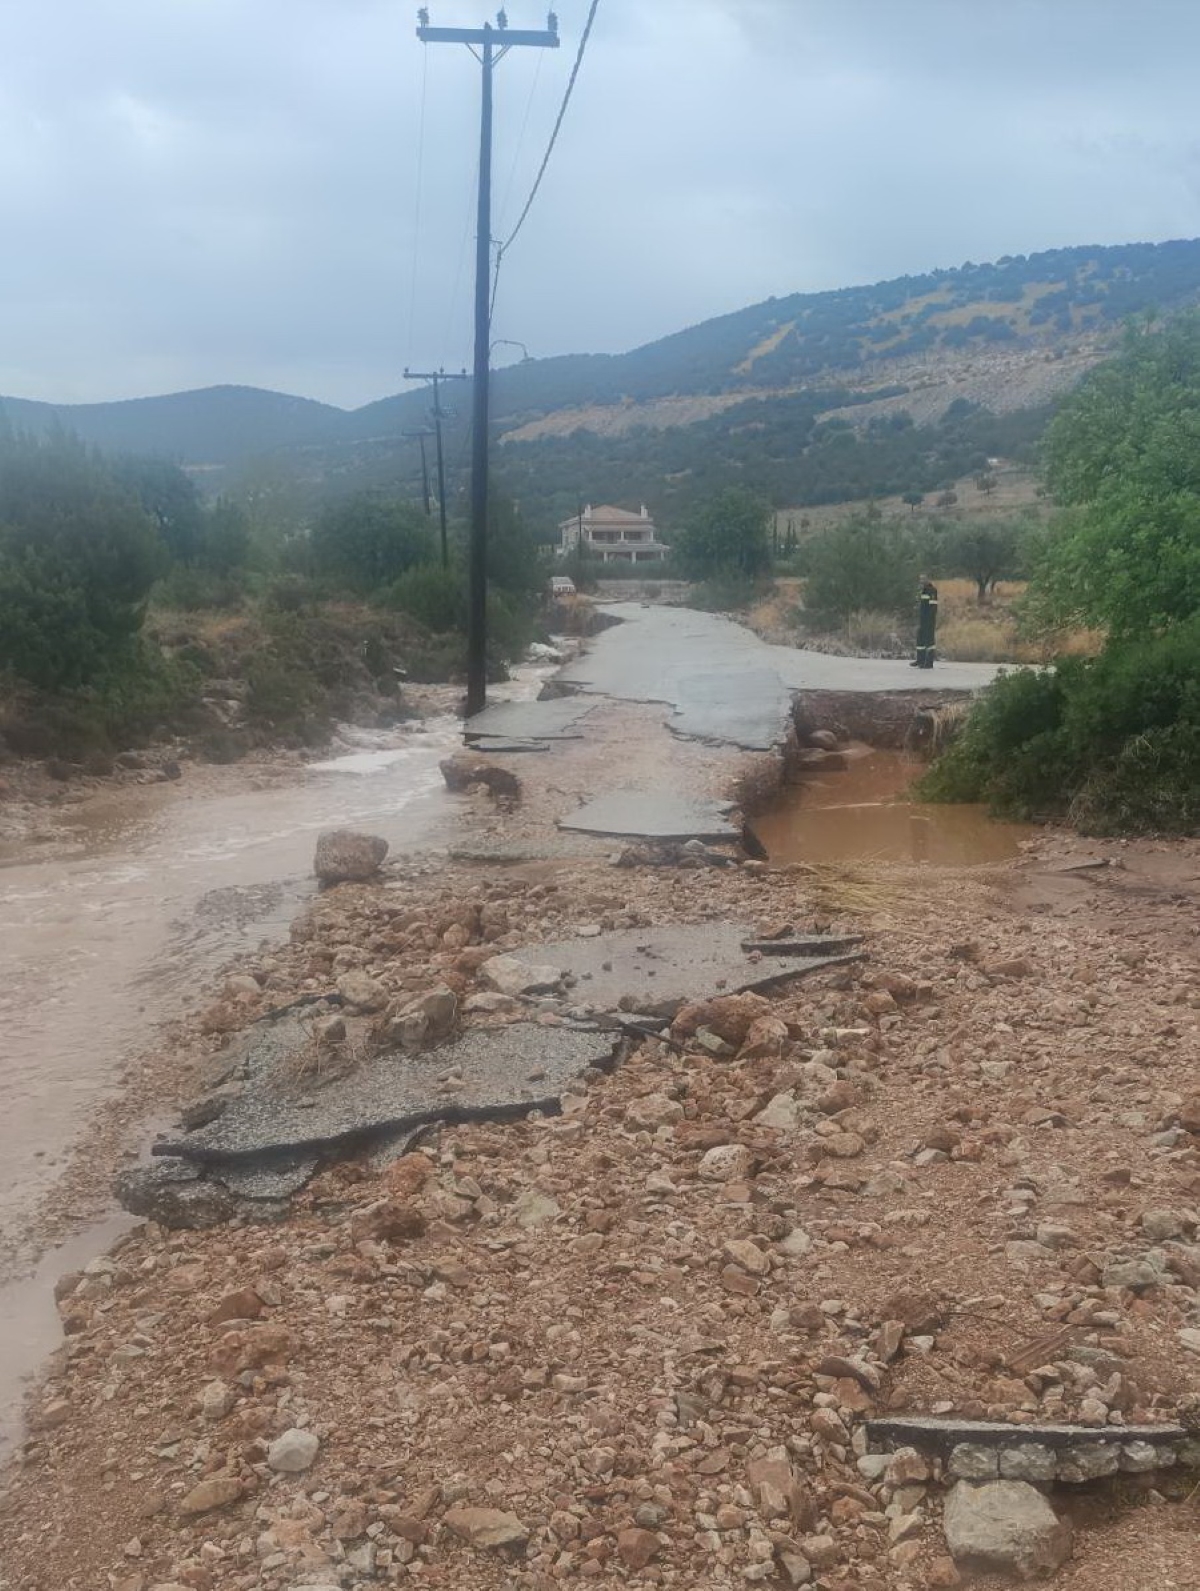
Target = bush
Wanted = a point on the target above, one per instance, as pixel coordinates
(433, 596)
(860, 564)
(1112, 742)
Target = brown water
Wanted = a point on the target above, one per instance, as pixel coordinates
(145, 893)
(863, 813)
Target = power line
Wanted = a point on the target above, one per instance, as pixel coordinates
(537, 182)
(416, 243)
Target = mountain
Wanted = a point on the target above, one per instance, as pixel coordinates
(214, 425)
(815, 397)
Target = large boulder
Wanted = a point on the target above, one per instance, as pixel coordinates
(466, 769)
(1005, 1526)
(342, 856)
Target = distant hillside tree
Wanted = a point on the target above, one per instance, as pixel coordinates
(729, 535)
(986, 554)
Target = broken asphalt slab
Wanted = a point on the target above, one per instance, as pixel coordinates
(489, 1073)
(653, 815)
(657, 970)
(557, 719)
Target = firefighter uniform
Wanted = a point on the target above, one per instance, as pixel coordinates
(926, 625)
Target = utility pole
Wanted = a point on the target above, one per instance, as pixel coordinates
(489, 45)
(437, 416)
(419, 436)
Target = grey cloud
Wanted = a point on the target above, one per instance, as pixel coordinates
(208, 190)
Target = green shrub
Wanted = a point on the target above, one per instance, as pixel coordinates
(435, 597)
(1112, 742)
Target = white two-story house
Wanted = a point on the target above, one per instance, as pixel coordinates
(612, 535)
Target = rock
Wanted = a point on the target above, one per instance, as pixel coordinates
(796, 1244)
(426, 1020)
(729, 1016)
(244, 1304)
(726, 1163)
(782, 1113)
(216, 1400)
(486, 1528)
(1005, 1526)
(532, 1208)
(467, 768)
(1018, 967)
(174, 1196)
(361, 991)
(388, 1221)
(293, 1452)
(1028, 1461)
(508, 975)
(741, 1251)
(1091, 1463)
(1160, 1226)
(342, 856)
(973, 1462)
(1137, 1275)
(637, 1547)
(779, 1490)
(823, 739)
(1189, 1114)
(1139, 1458)
(330, 1029)
(1189, 1337)
(214, 1491)
(651, 1112)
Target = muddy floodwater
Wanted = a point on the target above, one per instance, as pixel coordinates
(144, 893)
(864, 813)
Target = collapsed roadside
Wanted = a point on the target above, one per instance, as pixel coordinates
(640, 1339)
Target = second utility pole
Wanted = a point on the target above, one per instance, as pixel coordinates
(489, 45)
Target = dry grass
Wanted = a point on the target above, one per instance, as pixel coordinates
(971, 632)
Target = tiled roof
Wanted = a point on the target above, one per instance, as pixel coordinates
(606, 514)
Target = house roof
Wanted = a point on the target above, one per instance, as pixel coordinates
(606, 514)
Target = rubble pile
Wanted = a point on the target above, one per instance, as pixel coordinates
(645, 1340)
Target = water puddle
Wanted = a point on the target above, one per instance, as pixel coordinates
(863, 813)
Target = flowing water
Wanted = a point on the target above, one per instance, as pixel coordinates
(864, 813)
(113, 927)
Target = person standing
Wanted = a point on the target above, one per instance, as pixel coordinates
(927, 608)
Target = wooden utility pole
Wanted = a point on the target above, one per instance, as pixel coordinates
(489, 45)
(438, 415)
(419, 436)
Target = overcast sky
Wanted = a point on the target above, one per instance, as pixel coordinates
(200, 191)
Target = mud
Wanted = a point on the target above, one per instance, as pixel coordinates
(864, 812)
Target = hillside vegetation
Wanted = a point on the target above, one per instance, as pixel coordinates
(806, 397)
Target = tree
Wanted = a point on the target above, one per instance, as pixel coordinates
(172, 500)
(914, 500)
(947, 499)
(859, 565)
(1123, 458)
(729, 535)
(369, 540)
(985, 553)
(78, 556)
(986, 482)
